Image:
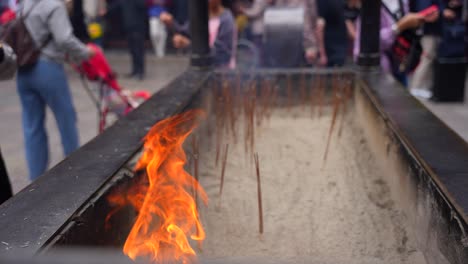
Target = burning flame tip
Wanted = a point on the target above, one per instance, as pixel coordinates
(168, 214)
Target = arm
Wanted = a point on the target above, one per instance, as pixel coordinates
(257, 9)
(321, 24)
(102, 7)
(351, 29)
(183, 29)
(62, 33)
(310, 27)
(7, 62)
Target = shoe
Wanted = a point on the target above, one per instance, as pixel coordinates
(139, 76)
(130, 75)
(421, 93)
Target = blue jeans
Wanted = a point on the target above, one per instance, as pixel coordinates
(45, 84)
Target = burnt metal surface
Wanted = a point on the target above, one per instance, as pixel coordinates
(442, 152)
(437, 158)
(33, 216)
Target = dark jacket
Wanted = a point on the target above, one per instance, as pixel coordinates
(77, 20)
(179, 10)
(429, 28)
(335, 35)
(452, 41)
(133, 14)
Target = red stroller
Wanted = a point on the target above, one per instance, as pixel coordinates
(108, 95)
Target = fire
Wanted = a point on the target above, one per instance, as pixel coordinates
(168, 216)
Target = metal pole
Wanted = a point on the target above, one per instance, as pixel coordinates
(198, 11)
(369, 56)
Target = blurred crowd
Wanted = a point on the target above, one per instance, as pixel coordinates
(416, 37)
(330, 38)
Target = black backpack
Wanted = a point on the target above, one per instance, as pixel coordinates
(16, 35)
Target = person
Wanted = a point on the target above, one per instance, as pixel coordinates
(221, 34)
(421, 81)
(93, 12)
(45, 83)
(255, 15)
(7, 71)
(390, 29)
(310, 44)
(158, 32)
(77, 19)
(5, 186)
(332, 33)
(452, 43)
(134, 22)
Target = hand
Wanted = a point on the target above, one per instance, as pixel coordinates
(102, 12)
(410, 21)
(311, 56)
(91, 52)
(323, 60)
(166, 18)
(449, 14)
(431, 18)
(241, 9)
(180, 42)
(454, 3)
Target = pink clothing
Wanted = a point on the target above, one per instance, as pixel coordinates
(213, 27)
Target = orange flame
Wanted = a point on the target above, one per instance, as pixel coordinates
(168, 215)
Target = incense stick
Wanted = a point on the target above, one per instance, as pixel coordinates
(289, 92)
(195, 153)
(336, 107)
(321, 93)
(303, 90)
(221, 185)
(259, 194)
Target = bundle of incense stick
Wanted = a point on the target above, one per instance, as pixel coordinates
(259, 194)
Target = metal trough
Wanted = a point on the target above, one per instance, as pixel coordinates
(424, 161)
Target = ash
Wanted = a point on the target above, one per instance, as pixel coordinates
(337, 212)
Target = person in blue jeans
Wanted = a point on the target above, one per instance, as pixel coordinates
(45, 83)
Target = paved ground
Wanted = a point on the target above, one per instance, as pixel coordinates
(159, 73)
(455, 115)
